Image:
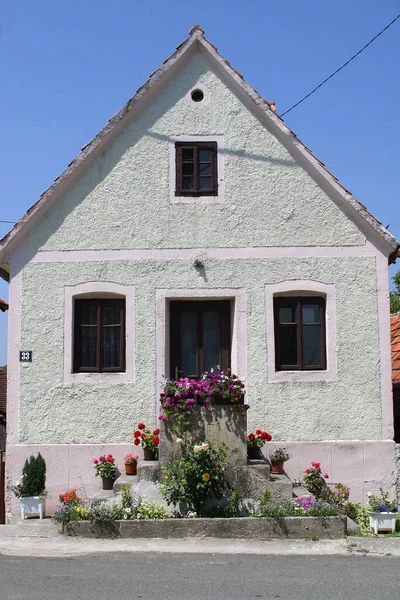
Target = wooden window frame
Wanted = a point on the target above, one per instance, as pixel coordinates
(199, 306)
(100, 303)
(196, 147)
(298, 302)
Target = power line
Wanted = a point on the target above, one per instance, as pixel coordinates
(12, 222)
(342, 67)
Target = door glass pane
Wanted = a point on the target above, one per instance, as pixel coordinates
(111, 348)
(311, 345)
(310, 313)
(211, 339)
(88, 314)
(111, 315)
(287, 314)
(288, 345)
(188, 345)
(88, 341)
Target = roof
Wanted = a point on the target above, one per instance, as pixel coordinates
(265, 110)
(395, 342)
(3, 391)
(3, 305)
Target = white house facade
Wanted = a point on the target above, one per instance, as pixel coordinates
(196, 229)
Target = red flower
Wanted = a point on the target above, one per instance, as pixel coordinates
(326, 476)
(136, 442)
(259, 432)
(264, 435)
(156, 441)
(136, 434)
(269, 437)
(251, 437)
(156, 432)
(110, 457)
(141, 426)
(143, 436)
(102, 458)
(96, 462)
(308, 471)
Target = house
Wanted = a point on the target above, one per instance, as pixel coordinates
(395, 341)
(197, 229)
(3, 409)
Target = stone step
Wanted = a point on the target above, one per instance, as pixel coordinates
(299, 491)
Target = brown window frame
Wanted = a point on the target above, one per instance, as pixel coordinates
(196, 147)
(297, 302)
(99, 303)
(199, 307)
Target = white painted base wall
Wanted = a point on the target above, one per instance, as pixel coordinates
(361, 465)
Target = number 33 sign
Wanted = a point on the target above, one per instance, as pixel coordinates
(25, 356)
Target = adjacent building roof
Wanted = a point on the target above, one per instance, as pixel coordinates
(265, 110)
(3, 391)
(395, 340)
(3, 305)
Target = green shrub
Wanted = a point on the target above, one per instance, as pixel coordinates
(33, 480)
(359, 514)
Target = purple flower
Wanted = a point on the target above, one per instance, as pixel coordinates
(161, 417)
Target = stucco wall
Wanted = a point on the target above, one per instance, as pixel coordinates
(123, 199)
(52, 411)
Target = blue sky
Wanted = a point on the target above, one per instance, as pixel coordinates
(66, 68)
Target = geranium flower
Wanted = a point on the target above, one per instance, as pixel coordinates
(141, 426)
(143, 436)
(96, 462)
(156, 432)
(136, 441)
(136, 434)
(156, 441)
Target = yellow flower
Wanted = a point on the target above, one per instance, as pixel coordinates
(206, 477)
(166, 477)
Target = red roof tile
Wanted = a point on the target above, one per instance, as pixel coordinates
(3, 391)
(3, 305)
(395, 340)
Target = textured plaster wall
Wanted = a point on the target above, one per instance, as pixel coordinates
(123, 201)
(54, 412)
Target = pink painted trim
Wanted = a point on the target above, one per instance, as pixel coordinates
(382, 275)
(302, 287)
(97, 289)
(212, 253)
(220, 167)
(13, 365)
(163, 296)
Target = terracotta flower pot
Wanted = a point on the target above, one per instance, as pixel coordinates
(131, 468)
(149, 454)
(253, 452)
(108, 483)
(277, 467)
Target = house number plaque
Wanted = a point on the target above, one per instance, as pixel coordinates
(25, 356)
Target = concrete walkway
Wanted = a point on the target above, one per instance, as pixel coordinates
(34, 537)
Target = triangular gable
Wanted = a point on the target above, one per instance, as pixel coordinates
(264, 110)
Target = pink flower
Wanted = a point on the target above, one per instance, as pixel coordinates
(96, 462)
(109, 457)
(326, 476)
(308, 471)
(102, 458)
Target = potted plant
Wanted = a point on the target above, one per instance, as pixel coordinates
(277, 460)
(382, 512)
(105, 467)
(149, 440)
(314, 481)
(30, 489)
(131, 464)
(255, 441)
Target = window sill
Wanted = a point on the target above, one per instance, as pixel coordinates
(200, 199)
(112, 378)
(320, 375)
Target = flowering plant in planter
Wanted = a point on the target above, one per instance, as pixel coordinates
(105, 466)
(131, 459)
(279, 455)
(258, 439)
(143, 435)
(314, 480)
(70, 498)
(381, 503)
(33, 479)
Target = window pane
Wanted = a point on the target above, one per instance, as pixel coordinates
(188, 183)
(211, 337)
(287, 314)
(111, 315)
(288, 345)
(188, 344)
(88, 349)
(88, 314)
(311, 345)
(111, 349)
(205, 183)
(187, 153)
(310, 313)
(205, 170)
(188, 168)
(204, 156)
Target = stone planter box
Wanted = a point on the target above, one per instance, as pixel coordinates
(241, 528)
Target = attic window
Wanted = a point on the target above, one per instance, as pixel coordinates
(196, 169)
(197, 95)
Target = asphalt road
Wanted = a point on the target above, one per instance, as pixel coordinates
(161, 576)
